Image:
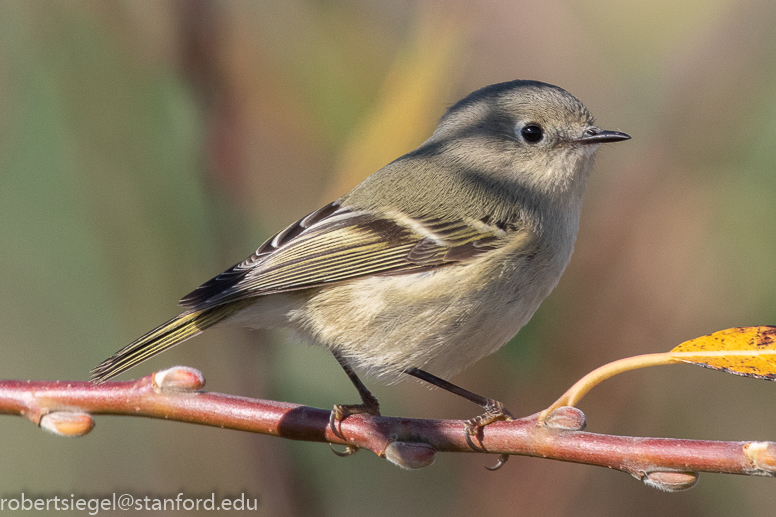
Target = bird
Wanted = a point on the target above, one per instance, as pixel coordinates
(431, 263)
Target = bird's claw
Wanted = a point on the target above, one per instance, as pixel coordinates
(349, 449)
(340, 412)
(503, 458)
(494, 412)
(337, 415)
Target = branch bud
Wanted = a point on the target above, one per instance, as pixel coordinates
(762, 455)
(65, 423)
(410, 456)
(668, 481)
(178, 379)
(566, 418)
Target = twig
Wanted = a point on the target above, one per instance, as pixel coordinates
(665, 463)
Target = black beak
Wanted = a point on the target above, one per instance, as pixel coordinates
(601, 136)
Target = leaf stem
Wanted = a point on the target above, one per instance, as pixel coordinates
(574, 394)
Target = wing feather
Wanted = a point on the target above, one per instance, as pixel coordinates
(335, 244)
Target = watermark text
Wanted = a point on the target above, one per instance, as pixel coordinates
(125, 501)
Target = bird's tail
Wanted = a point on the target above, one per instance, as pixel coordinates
(166, 335)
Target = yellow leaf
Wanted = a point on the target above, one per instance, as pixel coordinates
(748, 351)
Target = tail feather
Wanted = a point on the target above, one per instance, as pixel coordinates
(166, 335)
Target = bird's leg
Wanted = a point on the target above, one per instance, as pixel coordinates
(494, 410)
(369, 403)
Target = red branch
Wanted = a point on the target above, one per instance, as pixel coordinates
(669, 464)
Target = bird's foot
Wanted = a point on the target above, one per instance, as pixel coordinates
(494, 412)
(340, 412)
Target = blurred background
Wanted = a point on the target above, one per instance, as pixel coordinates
(147, 146)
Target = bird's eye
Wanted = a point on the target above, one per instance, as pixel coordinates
(532, 133)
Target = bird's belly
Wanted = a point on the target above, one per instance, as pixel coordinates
(440, 321)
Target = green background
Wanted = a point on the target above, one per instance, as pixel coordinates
(146, 146)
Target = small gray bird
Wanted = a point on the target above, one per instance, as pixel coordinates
(432, 262)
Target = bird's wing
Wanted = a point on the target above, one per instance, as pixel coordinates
(334, 244)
